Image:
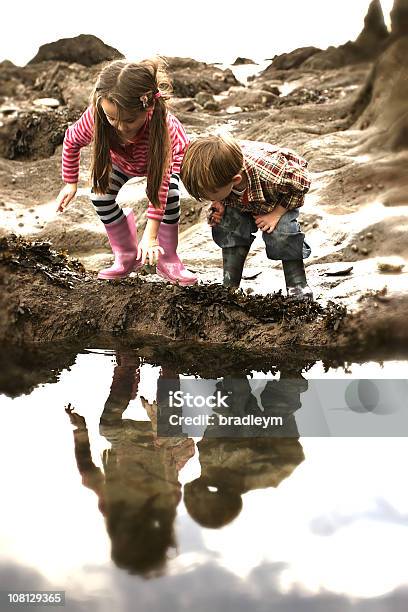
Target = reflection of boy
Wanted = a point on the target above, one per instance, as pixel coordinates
(232, 466)
(253, 185)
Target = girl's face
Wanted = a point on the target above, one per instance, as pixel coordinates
(130, 123)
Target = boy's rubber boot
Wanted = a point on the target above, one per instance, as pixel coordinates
(233, 260)
(123, 240)
(295, 278)
(169, 265)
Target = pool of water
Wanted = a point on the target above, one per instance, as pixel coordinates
(98, 505)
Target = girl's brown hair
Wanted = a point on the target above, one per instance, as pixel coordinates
(124, 83)
(210, 163)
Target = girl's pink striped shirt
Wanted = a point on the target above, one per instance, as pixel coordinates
(132, 159)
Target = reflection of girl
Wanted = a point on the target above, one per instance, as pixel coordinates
(133, 134)
(139, 491)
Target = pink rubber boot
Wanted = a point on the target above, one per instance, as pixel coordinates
(169, 265)
(123, 240)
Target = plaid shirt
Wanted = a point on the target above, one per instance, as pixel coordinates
(275, 176)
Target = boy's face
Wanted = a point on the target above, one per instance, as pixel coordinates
(224, 192)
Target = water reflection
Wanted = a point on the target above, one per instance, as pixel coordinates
(138, 487)
(246, 521)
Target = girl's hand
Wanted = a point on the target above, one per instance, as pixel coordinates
(66, 194)
(149, 250)
(215, 213)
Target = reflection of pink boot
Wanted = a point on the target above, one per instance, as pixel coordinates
(169, 265)
(123, 240)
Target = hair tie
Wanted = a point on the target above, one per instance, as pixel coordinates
(157, 95)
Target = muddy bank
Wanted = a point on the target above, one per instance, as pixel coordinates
(45, 297)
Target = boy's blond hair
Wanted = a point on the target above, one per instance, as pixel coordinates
(210, 163)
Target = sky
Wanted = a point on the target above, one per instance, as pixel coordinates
(212, 30)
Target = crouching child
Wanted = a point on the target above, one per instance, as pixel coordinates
(253, 186)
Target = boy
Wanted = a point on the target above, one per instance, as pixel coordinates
(252, 185)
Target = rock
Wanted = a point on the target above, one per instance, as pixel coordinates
(34, 135)
(242, 61)
(273, 89)
(204, 96)
(49, 102)
(382, 102)
(191, 77)
(374, 32)
(233, 110)
(337, 269)
(248, 99)
(9, 110)
(183, 105)
(294, 59)
(354, 248)
(399, 18)
(6, 64)
(211, 106)
(84, 49)
(391, 264)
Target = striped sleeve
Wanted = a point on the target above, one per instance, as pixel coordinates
(178, 142)
(77, 135)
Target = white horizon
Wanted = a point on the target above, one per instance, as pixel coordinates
(225, 30)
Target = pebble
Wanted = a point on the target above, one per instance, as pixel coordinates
(394, 265)
(49, 102)
(21, 225)
(315, 224)
(13, 180)
(31, 210)
(368, 187)
(369, 235)
(36, 217)
(354, 248)
(362, 237)
(365, 251)
(249, 290)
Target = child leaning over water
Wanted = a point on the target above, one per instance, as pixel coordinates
(252, 185)
(133, 134)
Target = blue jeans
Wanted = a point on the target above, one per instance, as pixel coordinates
(285, 242)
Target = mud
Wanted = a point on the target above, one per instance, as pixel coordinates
(47, 297)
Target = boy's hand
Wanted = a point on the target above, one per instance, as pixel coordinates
(268, 222)
(215, 213)
(66, 194)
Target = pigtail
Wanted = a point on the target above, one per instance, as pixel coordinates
(159, 152)
(159, 137)
(101, 164)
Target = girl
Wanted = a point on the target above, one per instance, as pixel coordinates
(133, 135)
